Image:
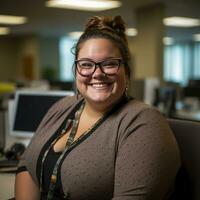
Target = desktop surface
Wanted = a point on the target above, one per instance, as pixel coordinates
(7, 185)
(189, 115)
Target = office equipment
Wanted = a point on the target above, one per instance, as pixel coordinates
(191, 91)
(165, 100)
(187, 134)
(29, 107)
(62, 85)
(144, 89)
(11, 158)
(194, 82)
(8, 163)
(2, 130)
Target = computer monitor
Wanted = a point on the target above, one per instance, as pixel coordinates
(191, 91)
(29, 107)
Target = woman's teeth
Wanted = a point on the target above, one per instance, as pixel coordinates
(99, 85)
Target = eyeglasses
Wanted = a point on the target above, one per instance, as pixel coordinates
(86, 67)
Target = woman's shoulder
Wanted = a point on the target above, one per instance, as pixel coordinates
(65, 102)
(135, 107)
(136, 113)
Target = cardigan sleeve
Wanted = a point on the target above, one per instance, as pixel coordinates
(147, 159)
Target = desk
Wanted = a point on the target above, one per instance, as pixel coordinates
(7, 182)
(189, 115)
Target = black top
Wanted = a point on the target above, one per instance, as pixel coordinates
(49, 164)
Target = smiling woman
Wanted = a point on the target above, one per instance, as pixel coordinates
(100, 144)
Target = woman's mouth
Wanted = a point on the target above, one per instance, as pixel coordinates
(100, 86)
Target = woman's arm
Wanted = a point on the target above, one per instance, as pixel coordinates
(147, 160)
(25, 188)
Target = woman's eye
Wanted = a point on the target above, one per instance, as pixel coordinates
(110, 64)
(86, 65)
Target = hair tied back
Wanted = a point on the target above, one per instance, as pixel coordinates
(115, 25)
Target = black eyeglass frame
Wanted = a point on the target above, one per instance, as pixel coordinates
(98, 64)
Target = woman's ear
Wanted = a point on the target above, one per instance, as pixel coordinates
(127, 86)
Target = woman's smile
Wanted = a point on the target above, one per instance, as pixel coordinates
(101, 85)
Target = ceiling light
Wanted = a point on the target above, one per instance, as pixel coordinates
(196, 37)
(168, 41)
(131, 31)
(8, 19)
(75, 35)
(4, 30)
(181, 22)
(87, 5)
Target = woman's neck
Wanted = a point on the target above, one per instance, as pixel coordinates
(94, 111)
(98, 109)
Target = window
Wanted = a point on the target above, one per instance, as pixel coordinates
(181, 62)
(66, 59)
(197, 60)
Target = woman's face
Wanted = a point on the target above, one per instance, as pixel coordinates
(100, 89)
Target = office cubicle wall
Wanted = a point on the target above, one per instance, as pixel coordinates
(2, 129)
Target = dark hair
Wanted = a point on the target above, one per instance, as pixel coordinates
(109, 28)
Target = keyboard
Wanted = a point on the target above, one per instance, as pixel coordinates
(8, 163)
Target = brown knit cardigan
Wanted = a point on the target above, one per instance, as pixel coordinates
(132, 155)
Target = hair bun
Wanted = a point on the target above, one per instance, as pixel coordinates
(116, 24)
(119, 24)
(93, 23)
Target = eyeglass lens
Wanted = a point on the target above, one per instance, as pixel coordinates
(87, 67)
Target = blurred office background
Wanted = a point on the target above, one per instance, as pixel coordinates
(36, 51)
(36, 54)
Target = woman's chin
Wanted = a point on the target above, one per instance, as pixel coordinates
(100, 98)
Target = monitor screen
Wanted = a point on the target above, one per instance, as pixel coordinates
(29, 108)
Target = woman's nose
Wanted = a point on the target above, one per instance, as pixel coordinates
(98, 72)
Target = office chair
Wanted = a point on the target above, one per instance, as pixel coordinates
(165, 96)
(187, 134)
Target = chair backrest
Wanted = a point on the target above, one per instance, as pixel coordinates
(165, 97)
(187, 134)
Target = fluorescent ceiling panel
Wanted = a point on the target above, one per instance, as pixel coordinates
(87, 5)
(9, 19)
(4, 30)
(131, 32)
(181, 22)
(168, 41)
